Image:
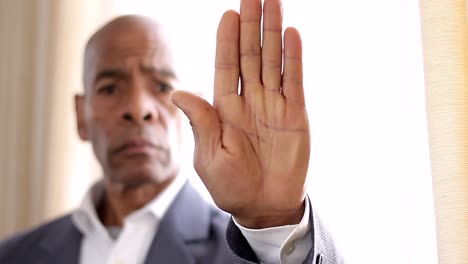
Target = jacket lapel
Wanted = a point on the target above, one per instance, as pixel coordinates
(187, 220)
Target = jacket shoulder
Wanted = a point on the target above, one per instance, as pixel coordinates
(22, 244)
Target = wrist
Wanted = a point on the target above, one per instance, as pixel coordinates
(290, 217)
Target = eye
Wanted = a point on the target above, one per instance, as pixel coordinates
(107, 89)
(162, 86)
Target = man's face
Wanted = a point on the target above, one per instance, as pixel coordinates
(126, 112)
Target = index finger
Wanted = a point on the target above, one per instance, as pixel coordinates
(226, 79)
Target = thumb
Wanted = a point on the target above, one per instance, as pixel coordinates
(204, 120)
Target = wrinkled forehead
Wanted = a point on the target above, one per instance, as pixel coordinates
(125, 47)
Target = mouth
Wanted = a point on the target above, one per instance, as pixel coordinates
(136, 147)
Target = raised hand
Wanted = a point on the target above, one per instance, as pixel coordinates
(252, 146)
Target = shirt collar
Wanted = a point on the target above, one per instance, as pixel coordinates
(85, 216)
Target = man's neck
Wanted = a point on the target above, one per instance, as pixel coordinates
(118, 203)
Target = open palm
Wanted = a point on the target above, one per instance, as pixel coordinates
(252, 146)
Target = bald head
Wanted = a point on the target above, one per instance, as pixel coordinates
(122, 37)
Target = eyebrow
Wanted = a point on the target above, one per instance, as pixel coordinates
(110, 73)
(153, 70)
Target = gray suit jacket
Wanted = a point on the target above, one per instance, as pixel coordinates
(192, 231)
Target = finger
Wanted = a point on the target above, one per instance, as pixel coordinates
(250, 51)
(272, 45)
(204, 120)
(226, 78)
(293, 88)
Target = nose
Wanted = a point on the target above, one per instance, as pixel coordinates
(140, 108)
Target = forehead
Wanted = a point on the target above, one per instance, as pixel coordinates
(128, 46)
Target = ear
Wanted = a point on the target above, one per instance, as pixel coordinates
(80, 117)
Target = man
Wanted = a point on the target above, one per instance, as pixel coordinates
(252, 152)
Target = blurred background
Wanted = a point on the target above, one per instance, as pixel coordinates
(369, 173)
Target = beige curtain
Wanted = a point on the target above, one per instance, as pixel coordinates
(41, 158)
(445, 44)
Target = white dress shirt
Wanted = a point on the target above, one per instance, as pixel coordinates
(130, 243)
(282, 244)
